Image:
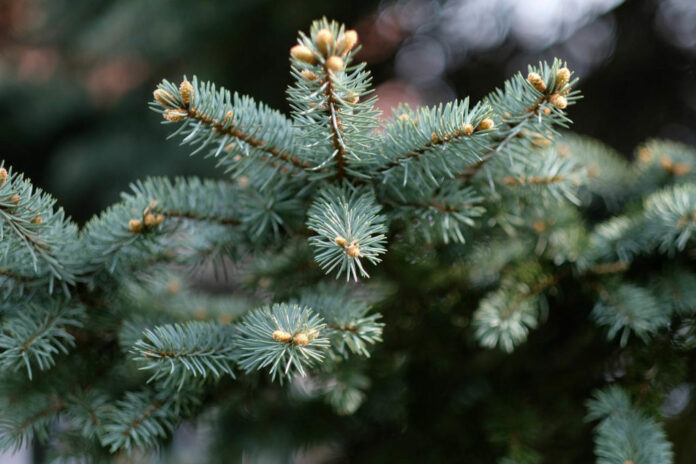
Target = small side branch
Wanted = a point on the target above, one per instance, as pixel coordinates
(238, 134)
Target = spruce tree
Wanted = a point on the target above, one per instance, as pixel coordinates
(110, 337)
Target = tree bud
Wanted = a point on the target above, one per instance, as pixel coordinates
(164, 97)
(558, 101)
(302, 53)
(301, 339)
(282, 336)
(324, 40)
(186, 91)
(334, 63)
(485, 124)
(135, 225)
(536, 80)
(347, 42)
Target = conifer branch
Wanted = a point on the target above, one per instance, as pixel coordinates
(331, 113)
(349, 228)
(37, 242)
(428, 144)
(329, 102)
(624, 434)
(540, 99)
(35, 334)
(238, 134)
(141, 418)
(19, 428)
(241, 132)
(284, 338)
(178, 352)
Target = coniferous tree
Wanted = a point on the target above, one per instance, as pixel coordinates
(107, 341)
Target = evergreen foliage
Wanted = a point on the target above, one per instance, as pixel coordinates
(107, 341)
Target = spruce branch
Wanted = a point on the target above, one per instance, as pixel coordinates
(676, 289)
(329, 100)
(625, 434)
(670, 217)
(36, 333)
(661, 162)
(178, 352)
(615, 240)
(162, 220)
(608, 176)
(285, 338)
(504, 318)
(546, 173)
(425, 145)
(37, 242)
(628, 308)
(438, 214)
(349, 326)
(528, 111)
(234, 125)
(349, 228)
(19, 428)
(86, 409)
(143, 418)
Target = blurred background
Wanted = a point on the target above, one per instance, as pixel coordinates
(76, 75)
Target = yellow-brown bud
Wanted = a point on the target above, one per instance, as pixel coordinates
(485, 124)
(164, 97)
(15, 198)
(135, 225)
(302, 53)
(352, 98)
(150, 220)
(301, 339)
(645, 155)
(434, 138)
(186, 91)
(539, 226)
(404, 117)
(37, 220)
(173, 286)
(334, 63)
(536, 80)
(559, 101)
(546, 110)
(340, 241)
(200, 313)
(309, 75)
(353, 250)
(324, 40)
(680, 169)
(593, 170)
(467, 129)
(666, 162)
(174, 115)
(347, 42)
(541, 141)
(159, 219)
(562, 77)
(312, 334)
(282, 336)
(3, 176)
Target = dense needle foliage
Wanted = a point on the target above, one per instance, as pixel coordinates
(479, 223)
